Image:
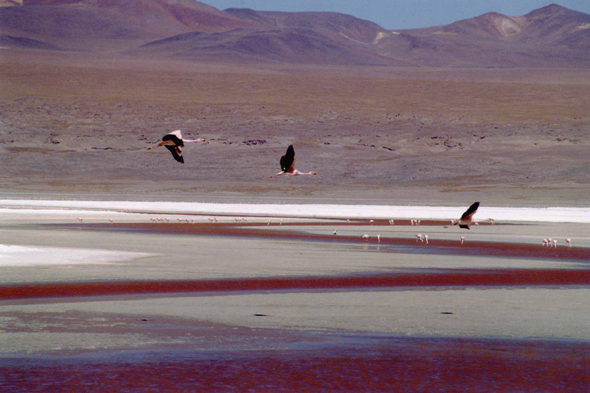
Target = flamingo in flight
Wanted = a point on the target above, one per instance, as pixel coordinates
(288, 165)
(467, 217)
(174, 142)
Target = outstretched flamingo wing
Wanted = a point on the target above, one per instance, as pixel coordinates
(470, 212)
(176, 153)
(288, 160)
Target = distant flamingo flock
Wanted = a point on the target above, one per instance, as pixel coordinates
(464, 222)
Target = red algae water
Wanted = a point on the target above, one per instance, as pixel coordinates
(353, 363)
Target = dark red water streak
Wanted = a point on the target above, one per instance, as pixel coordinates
(389, 365)
(515, 277)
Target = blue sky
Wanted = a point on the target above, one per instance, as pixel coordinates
(404, 14)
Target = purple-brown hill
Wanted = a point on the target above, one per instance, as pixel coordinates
(97, 25)
(552, 36)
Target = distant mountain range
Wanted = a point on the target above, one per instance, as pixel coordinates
(552, 36)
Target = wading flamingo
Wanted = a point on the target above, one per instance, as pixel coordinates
(174, 142)
(288, 165)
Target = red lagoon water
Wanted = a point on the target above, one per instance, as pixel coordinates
(360, 364)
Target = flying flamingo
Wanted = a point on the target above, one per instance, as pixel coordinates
(467, 217)
(288, 165)
(174, 142)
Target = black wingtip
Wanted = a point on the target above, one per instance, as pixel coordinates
(287, 160)
(471, 211)
(178, 158)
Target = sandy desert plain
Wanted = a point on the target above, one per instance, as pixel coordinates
(140, 304)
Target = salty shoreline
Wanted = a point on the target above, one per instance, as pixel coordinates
(309, 210)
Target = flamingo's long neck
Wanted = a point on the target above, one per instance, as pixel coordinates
(297, 173)
(192, 140)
